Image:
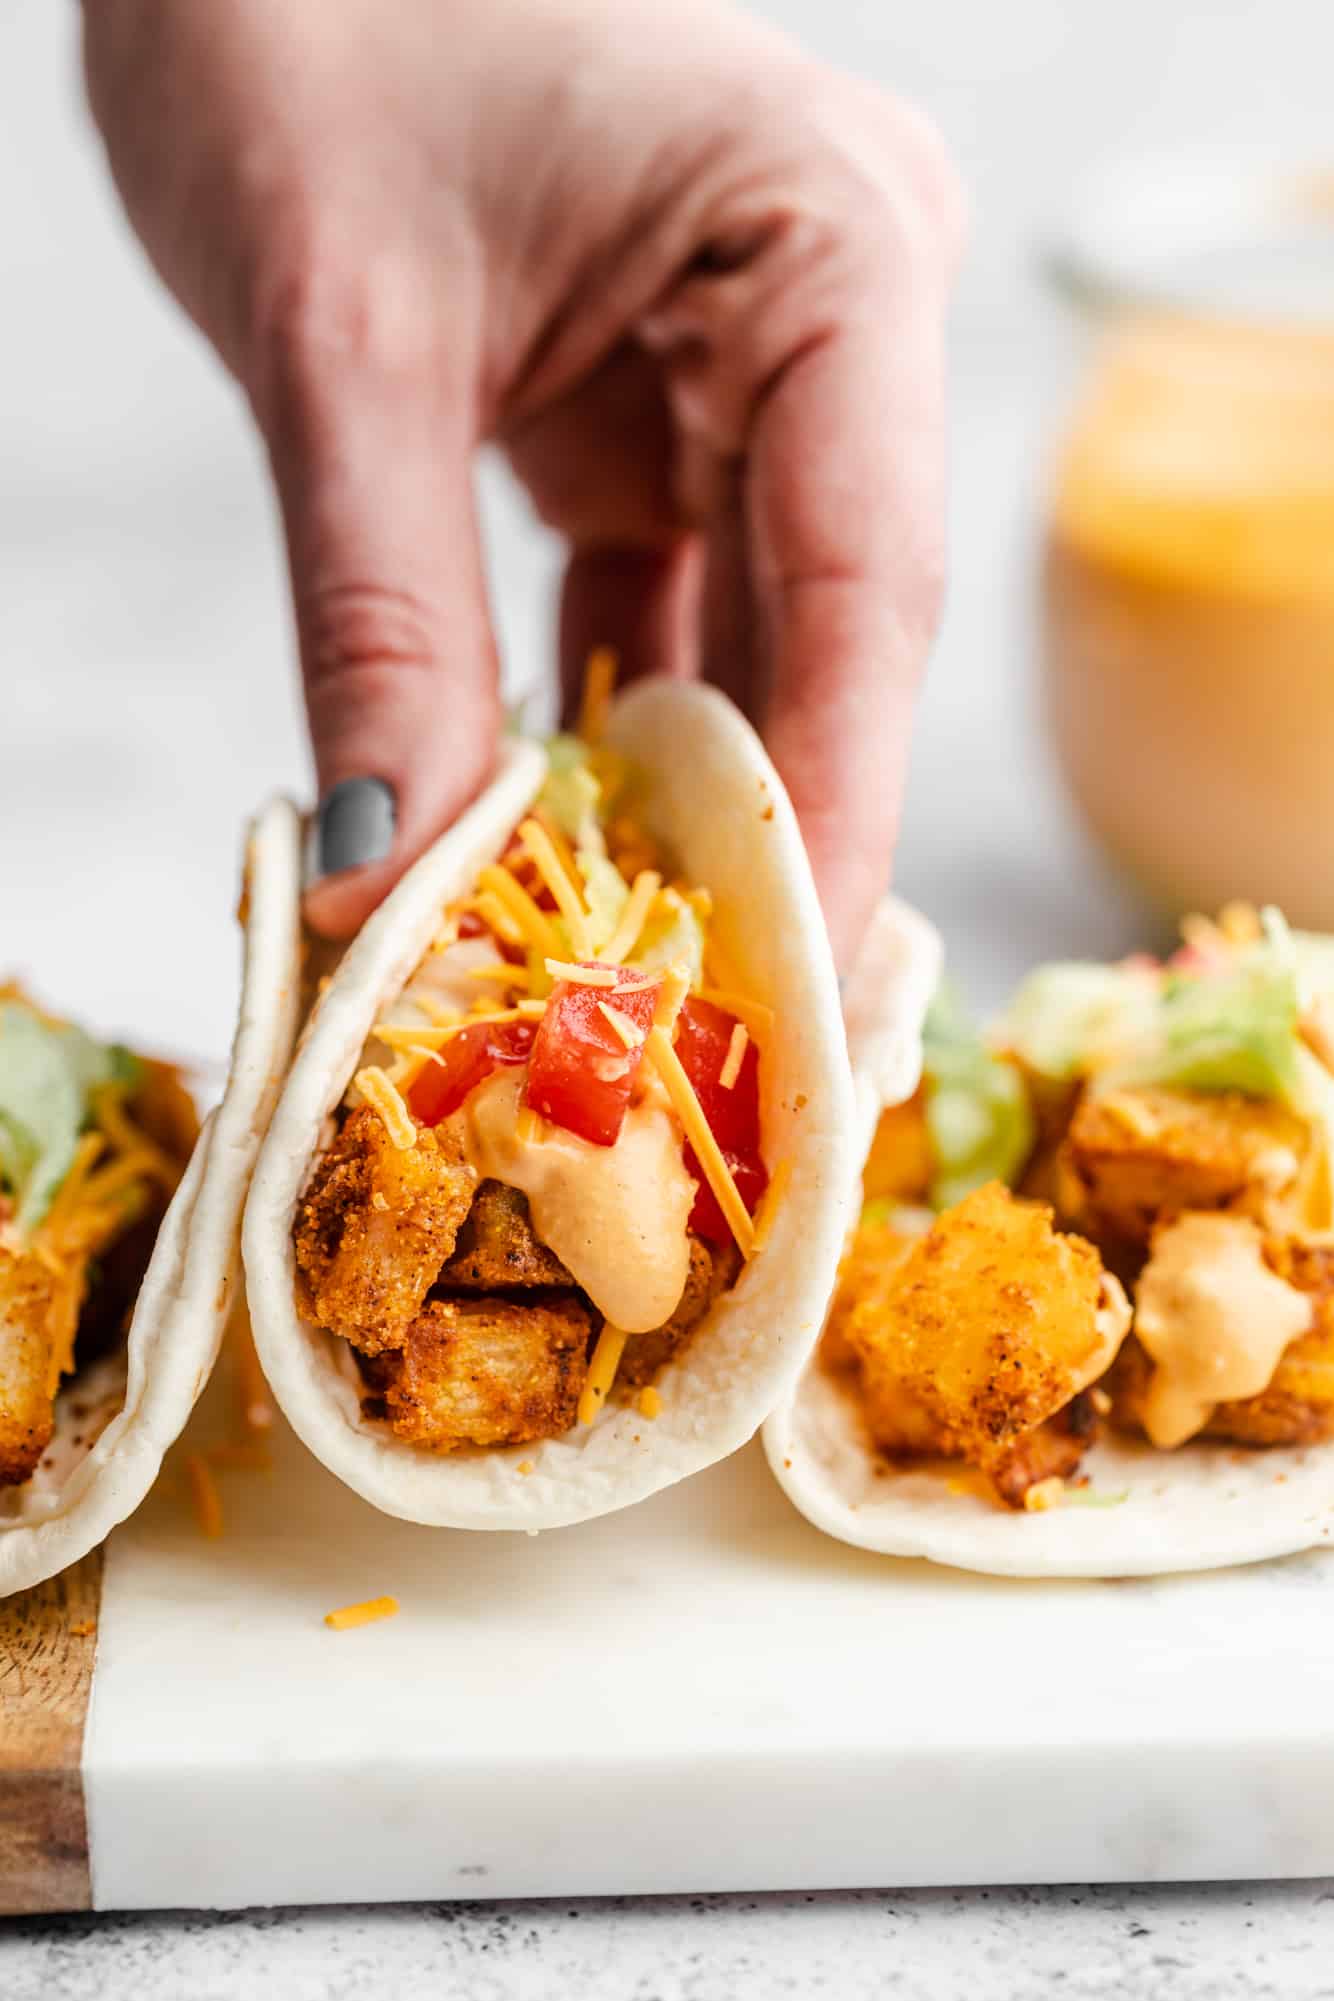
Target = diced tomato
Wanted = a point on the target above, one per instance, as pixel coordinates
(703, 1037)
(467, 1059)
(706, 1218)
(582, 1073)
(519, 862)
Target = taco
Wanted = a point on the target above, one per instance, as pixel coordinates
(119, 1220)
(550, 1207)
(1086, 1323)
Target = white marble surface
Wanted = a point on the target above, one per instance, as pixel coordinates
(143, 644)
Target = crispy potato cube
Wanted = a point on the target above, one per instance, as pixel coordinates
(498, 1246)
(486, 1371)
(992, 1323)
(712, 1270)
(374, 1227)
(1133, 1157)
(29, 1318)
(901, 1162)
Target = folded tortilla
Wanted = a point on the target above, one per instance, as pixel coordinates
(116, 1419)
(713, 795)
(1145, 1512)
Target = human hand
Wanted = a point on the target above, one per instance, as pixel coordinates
(692, 281)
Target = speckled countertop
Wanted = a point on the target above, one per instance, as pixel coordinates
(1209, 1943)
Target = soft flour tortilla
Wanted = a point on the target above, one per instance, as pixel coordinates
(1145, 1512)
(716, 800)
(115, 1420)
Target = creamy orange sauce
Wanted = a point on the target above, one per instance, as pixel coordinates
(616, 1216)
(1189, 610)
(1213, 1318)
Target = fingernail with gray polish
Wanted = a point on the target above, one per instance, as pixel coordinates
(354, 825)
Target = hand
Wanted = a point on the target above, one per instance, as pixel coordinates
(690, 280)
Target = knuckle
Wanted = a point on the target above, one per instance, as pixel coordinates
(356, 637)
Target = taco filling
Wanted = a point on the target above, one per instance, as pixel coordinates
(549, 1163)
(1113, 1210)
(93, 1141)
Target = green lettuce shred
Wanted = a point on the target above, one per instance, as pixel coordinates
(48, 1076)
(977, 1110)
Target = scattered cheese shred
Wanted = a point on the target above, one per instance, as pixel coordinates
(735, 1057)
(541, 851)
(650, 1403)
(434, 1010)
(110, 1115)
(85, 1153)
(630, 1033)
(564, 852)
(714, 1168)
(633, 918)
(531, 1010)
(601, 1371)
(364, 1614)
(599, 681)
(248, 1453)
(771, 1200)
(581, 976)
(535, 927)
(675, 987)
(204, 1494)
(382, 1097)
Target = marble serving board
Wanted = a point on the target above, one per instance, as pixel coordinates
(702, 1693)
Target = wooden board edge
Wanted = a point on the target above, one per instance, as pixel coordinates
(48, 1651)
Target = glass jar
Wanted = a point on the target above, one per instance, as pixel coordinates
(1188, 577)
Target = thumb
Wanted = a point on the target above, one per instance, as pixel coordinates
(372, 466)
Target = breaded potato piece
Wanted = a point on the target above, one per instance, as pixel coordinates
(1133, 1157)
(712, 1269)
(498, 1246)
(1054, 1451)
(992, 1323)
(487, 1371)
(901, 1162)
(899, 1424)
(30, 1313)
(374, 1227)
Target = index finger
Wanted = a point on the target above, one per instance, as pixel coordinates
(845, 516)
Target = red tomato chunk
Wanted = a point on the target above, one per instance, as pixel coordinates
(703, 1037)
(582, 1072)
(467, 1059)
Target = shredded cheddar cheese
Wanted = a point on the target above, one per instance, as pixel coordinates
(541, 851)
(601, 1371)
(488, 906)
(633, 918)
(758, 1018)
(364, 1614)
(382, 1096)
(675, 987)
(535, 927)
(580, 976)
(715, 1169)
(770, 1201)
(1044, 1494)
(434, 1010)
(204, 1494)
(595, 700)
(508, 976)
(735, 1057)
(110, 1115)
(629, 1032)
(531, 1010)
(650, 1403)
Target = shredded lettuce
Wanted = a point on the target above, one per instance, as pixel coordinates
(570, 792)
(48, 1074)
(605, 891)
(673, 936)
(1067, 1018)
(977, 1110)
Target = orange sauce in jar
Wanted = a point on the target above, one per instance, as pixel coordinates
(1188, 610)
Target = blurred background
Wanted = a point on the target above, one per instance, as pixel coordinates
(150, 695)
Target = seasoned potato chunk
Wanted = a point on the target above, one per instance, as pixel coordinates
(374, 1227)
(901, 1162)
(498, 1246)
(30, 1312)
(486, 1371)
(991, 1324)
(1297, 1405)
(1132, 1158)
(712, 1270)
(898, 1422)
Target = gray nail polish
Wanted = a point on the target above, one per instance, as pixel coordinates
(354, 825)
